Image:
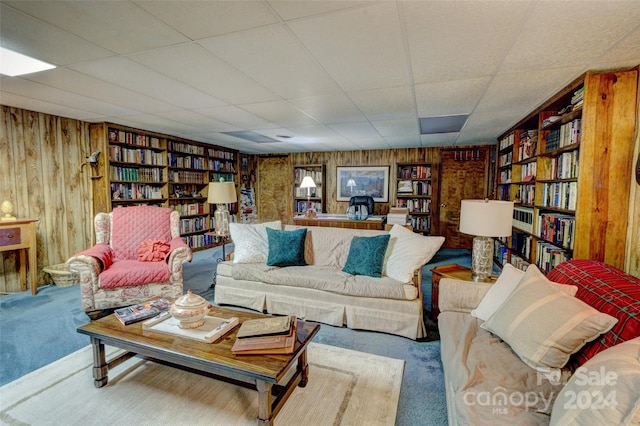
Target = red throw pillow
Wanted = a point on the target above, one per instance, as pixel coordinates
(153, 250)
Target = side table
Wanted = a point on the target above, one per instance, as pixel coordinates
(223, 240)
(20, 234)
(453, 270)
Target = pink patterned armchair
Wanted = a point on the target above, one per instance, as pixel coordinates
(138, 255)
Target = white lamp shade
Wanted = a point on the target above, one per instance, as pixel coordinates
(486, 218)
(222, 193)
(307, 182)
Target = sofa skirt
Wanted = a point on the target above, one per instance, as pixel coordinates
(400, 317)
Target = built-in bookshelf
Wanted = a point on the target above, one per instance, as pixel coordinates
(414, 191)
(568, 175)
(155, 169)
(313, 198)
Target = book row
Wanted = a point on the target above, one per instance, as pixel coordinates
(500, 252)
(415, 205)
(560, 195)
(221, 166)
(301, 206)
(505, 159)
(299, 174)
(183, 176)
(414, 172)
(135, 191)
(188, 161)
(185, 148)
(567, 134)
(526, 194)
(139, 174)
(201, 240)
(528, 172)
(556, 228)
(306, 192)
(521, 243)
(548, 256)
(504, 176)
(218, 153)
(131, 138)
(193, 224)
(527, 144)
(136, 155)
(519, 262)
(407, 187)
(506, 142)
(523, 219)
(565, 166)
(421, 223)
(189, 209)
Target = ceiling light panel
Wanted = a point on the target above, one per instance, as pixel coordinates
(14, 63)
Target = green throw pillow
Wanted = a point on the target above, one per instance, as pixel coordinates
(366, 255)
(286, 248)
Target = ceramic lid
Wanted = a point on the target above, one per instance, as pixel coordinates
(190, 300)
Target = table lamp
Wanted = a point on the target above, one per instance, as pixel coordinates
(485, 219)
(221, 193)
(307, 182)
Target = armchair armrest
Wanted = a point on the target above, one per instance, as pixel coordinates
(460, 296)
(179, 253)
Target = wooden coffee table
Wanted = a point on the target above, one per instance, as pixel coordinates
(268, 374)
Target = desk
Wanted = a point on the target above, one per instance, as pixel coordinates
(340, 221)
(20, 235)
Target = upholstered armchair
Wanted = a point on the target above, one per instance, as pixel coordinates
(138, 255)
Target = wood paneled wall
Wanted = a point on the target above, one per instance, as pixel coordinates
(42, 174)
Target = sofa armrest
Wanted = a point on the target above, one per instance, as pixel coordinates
(460, 296)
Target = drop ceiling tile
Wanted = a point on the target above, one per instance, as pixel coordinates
(439, 139)
(403, 141)
(336, 108)
(459, 40)
(571, 35)
(201, 19)
(237, 117)
(485, 127)
(195, 66)
(626, 50)
(361, 133)
(403, 128)
(275, 59)
(288, 9)
(385, 104)
(361, 48)
(33, 90)
(133, 76)
(281, 113)
(38, 39)
(19, 101)
(152, 123)
(199, 123)
(75, 82)
(119, 26)
(449, 97)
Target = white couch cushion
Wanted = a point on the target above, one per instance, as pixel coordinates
(408, 251)
(250, 241)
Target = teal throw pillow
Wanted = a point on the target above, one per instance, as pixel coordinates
(366, 255)
(286, 248)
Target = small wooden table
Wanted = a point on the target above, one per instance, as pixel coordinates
(20, 235)
(340, 221)
(453, 270)
(264, 373)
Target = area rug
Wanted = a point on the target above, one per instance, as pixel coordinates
(345, 388)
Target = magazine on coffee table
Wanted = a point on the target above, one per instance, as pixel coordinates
(212, 329)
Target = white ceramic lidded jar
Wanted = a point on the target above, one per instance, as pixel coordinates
(190, 309)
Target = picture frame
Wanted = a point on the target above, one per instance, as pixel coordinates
(372, 181)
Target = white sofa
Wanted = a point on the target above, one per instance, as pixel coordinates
(320, 291)
(488, 381)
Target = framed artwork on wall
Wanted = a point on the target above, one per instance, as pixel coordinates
(372, 181)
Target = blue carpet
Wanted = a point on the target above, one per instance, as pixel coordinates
(37, 330)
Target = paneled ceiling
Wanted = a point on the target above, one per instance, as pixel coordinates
(313, 75)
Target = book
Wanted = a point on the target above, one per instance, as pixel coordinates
(266, 345)
(143, 311)
(212, 329)
(271, 326)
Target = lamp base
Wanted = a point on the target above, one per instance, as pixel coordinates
(310, 214)
(482, 259)
(221, 217)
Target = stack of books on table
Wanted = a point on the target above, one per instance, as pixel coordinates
(266, 336)
(398, 216)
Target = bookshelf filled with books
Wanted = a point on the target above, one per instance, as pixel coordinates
(568, 204)
(302, 201)
(414, 192)
(156, 169)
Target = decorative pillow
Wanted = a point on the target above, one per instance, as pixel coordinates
(250, 241)
(153, 250)
(543, 325)
(286, 248)
(504, 286)
(408, 251)
(366, 255)
(603, 391)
